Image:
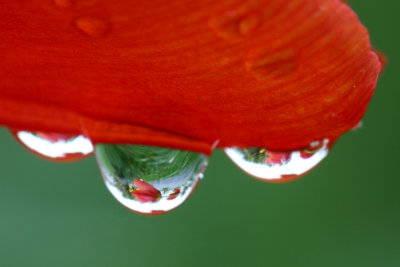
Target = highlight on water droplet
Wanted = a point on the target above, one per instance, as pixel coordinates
(278, 166)
(55, 146)
(149, 180)
(93, 27)
(234, 24)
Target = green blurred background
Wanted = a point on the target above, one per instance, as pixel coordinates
(345, 213)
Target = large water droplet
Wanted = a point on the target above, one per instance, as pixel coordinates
(92, 26)
(278, 166)
(149, 180)
(55, 146)
(235, 25)
(271, 65)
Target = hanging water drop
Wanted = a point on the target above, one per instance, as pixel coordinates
(55, 146)
(149, 180)
(278, 166)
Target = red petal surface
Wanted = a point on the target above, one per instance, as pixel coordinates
(270, 73)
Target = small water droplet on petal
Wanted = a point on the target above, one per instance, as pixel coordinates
(149, 180)
(235, 25)
(278, 166)
(92, 26)
(271, 65)
(55, 146)
(249, 23)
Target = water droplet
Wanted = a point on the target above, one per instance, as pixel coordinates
(149, 180)
(235, 25)
(278, 166)
(92, 26)
(55, 146)
(357, 126)
(63, 3)
(271, 65)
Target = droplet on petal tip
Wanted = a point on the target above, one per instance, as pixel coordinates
(279, 166)
(55, 146)
(149, 180)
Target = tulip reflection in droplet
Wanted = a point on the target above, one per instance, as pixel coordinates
(55, 146)
(149, 180)
(278, 166)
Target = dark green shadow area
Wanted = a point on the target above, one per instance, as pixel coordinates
(345, 213)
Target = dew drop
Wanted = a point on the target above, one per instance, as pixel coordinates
(271, 65)
(63, 3)
(235, 25)
(357, 126)
(55, 146)
(149, 180)
(278, 166)
(92, 26)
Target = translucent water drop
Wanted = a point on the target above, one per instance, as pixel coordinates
(149, 180)
(55, 146)
(92, 27)
(278, 166)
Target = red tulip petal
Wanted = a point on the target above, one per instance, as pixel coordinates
(276, 74)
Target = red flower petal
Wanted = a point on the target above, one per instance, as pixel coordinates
(277, 74)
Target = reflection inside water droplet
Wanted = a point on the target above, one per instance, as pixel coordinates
(55, 146)
(149, 180)
(278, 166)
